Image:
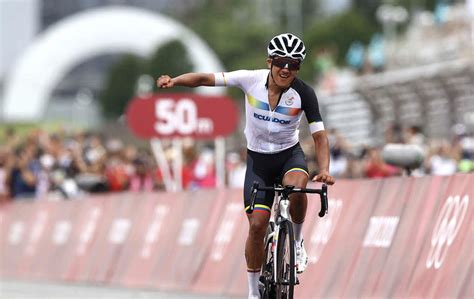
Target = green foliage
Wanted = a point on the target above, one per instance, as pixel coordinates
(339, 32)
(233, 30)
(240, 39)
(238, 47)
(120, 84)
(171, 59)
(368, 8)
(412, 5)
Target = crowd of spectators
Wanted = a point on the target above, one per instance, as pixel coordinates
(42, 164)
(441, 156)
(57, 165)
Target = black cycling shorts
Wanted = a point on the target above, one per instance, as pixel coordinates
(268, 169)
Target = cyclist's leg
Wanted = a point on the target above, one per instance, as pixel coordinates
(258, 220)
(298, 201)
(255, 248)
(296, 174)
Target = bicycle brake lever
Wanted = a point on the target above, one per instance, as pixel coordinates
(324, 201)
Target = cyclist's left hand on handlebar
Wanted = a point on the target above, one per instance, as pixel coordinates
(324, 177)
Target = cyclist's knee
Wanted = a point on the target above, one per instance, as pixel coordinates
(258, 226)
(296, 178)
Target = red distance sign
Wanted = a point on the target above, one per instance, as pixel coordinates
(182, 114)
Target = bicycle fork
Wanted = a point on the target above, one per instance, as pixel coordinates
(275, 251)
(284, 216)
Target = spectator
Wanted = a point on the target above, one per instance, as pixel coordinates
(441, 11)
(355, 56)
(130, 155)
(24, 173)
(413, 135)
(355, 166)
(376, 53)
(375, 167)
(204, 175)
(94, 155)
(338, 149)
(393, 134)
(236, 168)
(464, 143)
(441, 161)
(43, 183)
(338, 166)
(141, 179)
(91, 162)
(189, 162)
(116, 171)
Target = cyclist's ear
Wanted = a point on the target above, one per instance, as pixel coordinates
(269, 62)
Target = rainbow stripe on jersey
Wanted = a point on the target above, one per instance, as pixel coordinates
(279, 109)
(257, 104)
(287, 110)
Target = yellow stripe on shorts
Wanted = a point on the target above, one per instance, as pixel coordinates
(259, 207)
(297, 169)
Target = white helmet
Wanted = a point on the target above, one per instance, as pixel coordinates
(287, 45)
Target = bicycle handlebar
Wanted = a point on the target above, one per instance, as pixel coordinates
(287, 190)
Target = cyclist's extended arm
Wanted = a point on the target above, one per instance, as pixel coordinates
(188, 80)
(322, 157)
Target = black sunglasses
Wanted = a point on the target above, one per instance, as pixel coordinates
(291, 64)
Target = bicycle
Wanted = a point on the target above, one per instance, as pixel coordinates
(278, 275)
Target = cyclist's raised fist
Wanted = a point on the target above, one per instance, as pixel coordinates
(164, 81)
(324, 177)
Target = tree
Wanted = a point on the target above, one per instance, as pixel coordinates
(171, 59)
(339, 32)
(367, 8)
(119, 87)
(234, 31)
(121, 82)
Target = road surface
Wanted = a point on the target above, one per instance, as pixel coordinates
(39, 290)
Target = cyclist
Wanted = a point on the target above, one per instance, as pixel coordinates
(275, 100)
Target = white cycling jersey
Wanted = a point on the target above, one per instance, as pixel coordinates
(272, 131)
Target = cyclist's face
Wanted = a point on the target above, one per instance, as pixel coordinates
(284, 70)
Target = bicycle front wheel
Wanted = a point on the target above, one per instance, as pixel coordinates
(285, 261)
